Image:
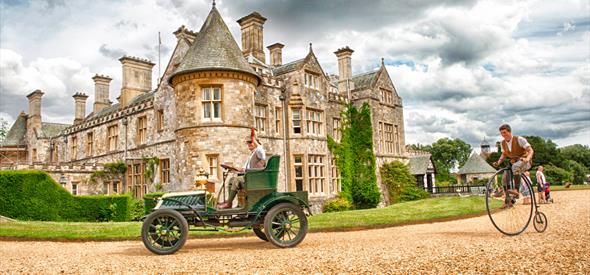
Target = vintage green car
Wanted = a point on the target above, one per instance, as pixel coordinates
(277, 217)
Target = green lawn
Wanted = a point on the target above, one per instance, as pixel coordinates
(402, 213)
(572, 187)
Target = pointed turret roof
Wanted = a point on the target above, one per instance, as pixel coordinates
(476, 165)
(214, 49)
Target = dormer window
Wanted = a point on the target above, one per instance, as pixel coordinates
(311, 81)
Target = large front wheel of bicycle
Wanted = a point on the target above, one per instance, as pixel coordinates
(514, 217)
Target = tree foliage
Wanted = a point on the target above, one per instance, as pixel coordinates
(545, 151)
(557, 175)
(355, 158)
(577, 152)
(3, 129)
(446, 154)
(578, 171)
(401, 184)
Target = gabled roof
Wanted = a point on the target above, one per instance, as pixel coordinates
(214, 49)
(16, 134)
(419, 164)
(476, 165)
(364, 80)
(289, 67)
(49, 130)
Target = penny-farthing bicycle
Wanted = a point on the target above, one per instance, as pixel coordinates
(518, 213)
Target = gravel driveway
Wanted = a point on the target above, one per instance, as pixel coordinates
(467, 246)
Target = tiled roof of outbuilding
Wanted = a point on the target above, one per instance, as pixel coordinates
(214, 49)
(419, 164)
(476, 165)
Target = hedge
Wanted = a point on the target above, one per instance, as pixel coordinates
(34, 195)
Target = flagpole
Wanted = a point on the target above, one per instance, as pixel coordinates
(159, 58)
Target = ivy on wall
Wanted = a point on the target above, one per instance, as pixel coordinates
(355, 158)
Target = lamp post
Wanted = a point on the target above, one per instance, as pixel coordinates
(283, 98)
(63, 181)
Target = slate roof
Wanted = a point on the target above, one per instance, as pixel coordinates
(289, 67)
(476, 165)
(49, 130)
(364, 80)
(16, 134)
(214, 49)
(419, 164)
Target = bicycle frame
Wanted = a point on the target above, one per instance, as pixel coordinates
(523, 179)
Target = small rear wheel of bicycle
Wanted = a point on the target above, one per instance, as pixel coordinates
(540, 222)
(514, 217)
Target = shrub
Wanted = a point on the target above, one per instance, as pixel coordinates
(556, 175)
(336, 205)
(400, 183)
(150, 200)
(136, 209)
(33, 195)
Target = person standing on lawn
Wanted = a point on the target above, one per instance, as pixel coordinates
(541, 182)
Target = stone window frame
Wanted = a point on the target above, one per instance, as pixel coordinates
(386, 96)
(314, 124)
(75, 188)
(316, 174)
(311, 80)
(211, 102)
(113, 137)
(299, 120)
(213, 165)
(164, 166)
(74, 148)
(135, 179)
(55, 153)
(160, 120)
(298, 179)
(388, 138)
(260, 118)
(396, 144)
(380, 136)
(89, 150)
(336, 128)
(278, 120)
(141, 130)
(335, 176)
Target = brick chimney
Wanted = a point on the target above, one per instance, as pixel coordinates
(344, 69)
(137, 78)
(252, 35)
(276, 54)
(80, 107)
(101, 92)
(34, 119)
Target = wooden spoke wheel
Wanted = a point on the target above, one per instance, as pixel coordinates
(285, 225)
(164, 231)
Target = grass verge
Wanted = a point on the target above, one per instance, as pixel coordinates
(402, 213)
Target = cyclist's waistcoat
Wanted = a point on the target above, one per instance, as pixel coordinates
(515, 152)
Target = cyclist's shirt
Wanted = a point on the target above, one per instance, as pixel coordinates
(515, 150)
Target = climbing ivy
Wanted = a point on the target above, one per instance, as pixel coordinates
(111, 171)
(355, 158)
(150, 167)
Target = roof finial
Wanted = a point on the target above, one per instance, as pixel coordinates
(310, 49)
(214, 3)
(382, 61)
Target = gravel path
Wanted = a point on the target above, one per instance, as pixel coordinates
(462, 246)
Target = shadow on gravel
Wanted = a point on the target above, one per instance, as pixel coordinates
(204, 245)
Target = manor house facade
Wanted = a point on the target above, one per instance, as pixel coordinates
(209, 96)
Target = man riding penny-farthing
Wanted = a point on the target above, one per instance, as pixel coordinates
(276, 217)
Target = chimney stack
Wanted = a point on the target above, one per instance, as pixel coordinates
(34, 119)
(252, 35)
(137, 78)
(276, 54)
(101, 92)
(344, 69)
(80, 107)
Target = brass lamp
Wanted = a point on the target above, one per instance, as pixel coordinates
(201, 178)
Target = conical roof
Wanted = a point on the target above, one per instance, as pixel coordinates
(214, 49)
(476, 165)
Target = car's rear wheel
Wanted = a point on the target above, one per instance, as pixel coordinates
(164, 231)
(285, 225)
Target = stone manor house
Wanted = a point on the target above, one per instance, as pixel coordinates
(210, 94)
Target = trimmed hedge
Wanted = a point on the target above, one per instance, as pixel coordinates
(150, 200)
(34, 195)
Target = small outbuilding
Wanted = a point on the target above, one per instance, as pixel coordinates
(423, 169)
(475, 168)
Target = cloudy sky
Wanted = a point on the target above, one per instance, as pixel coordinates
(462, 67)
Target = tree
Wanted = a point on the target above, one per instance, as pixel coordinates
(446, 154)
(577, 152)
(578, 170)
(3, 129)
(545, 151)
(355, 158)
(556, 175)
(400, 183)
